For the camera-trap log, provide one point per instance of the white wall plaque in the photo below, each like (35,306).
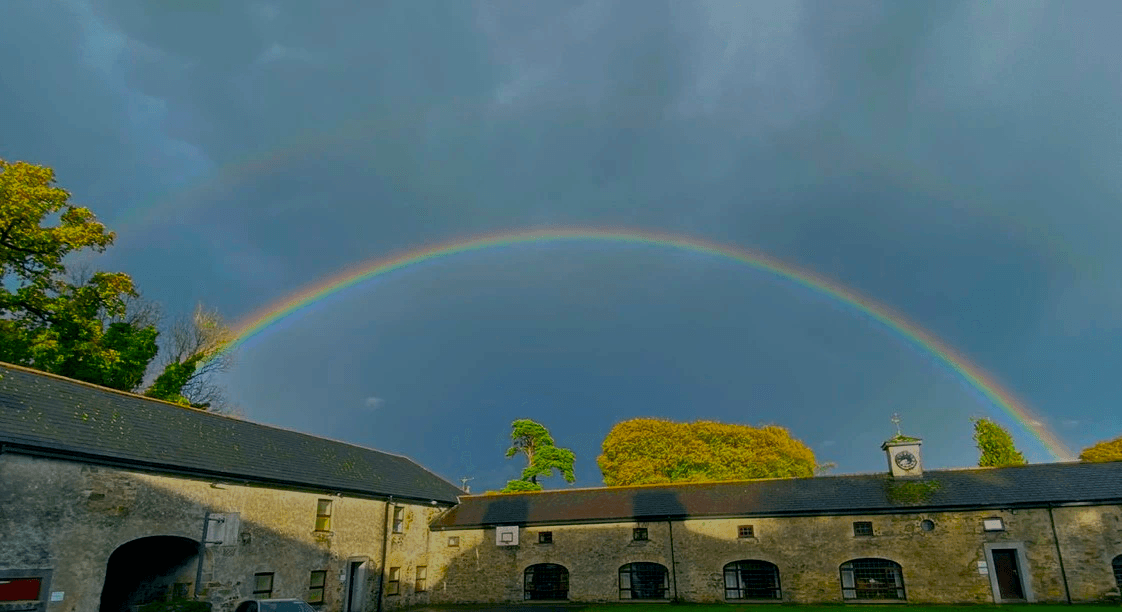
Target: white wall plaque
(983,568)
(506,535)
(57,595)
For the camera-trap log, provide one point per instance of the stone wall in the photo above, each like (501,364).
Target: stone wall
(938,566)
(70,517)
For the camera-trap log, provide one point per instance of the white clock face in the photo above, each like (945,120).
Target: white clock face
(906,460)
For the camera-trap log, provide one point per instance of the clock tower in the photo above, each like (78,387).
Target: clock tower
(904,460)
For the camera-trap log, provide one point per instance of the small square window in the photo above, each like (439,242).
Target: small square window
(993,524)
(422,575)
(399,519)
(393,585)
(545,537)
(262,585)
(862,528)
(639,534)
(745,531)
(316,585)
(323,515)
(453,540)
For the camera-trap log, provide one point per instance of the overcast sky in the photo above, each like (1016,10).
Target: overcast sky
(956,161)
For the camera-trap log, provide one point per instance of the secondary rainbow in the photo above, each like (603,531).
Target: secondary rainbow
(264,318)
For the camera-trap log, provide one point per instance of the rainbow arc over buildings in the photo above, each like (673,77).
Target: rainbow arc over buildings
(257,323)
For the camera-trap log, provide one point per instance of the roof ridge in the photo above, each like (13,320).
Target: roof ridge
(755,480)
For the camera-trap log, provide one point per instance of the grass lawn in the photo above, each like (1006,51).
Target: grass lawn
(662,607)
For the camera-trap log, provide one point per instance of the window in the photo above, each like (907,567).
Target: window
(927,525)
(745,531)
(393,586)
(422,574)
(545,537)
(181,590)
(1117,566)
(872,579)
(639,534)
(751,580)
(993,524)
(399,519)
(323,515)
(862,528)
(315,586)
(453,540)
(547,581)
(643,581)
(262,585)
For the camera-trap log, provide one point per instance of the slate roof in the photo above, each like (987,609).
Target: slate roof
(49,415)
(1034,485)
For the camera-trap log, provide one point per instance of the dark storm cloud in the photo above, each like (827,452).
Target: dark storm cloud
(956,161)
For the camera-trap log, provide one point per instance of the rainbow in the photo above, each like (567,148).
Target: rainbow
(258,322)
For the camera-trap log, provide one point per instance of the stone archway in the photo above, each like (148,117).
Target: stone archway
(154,568)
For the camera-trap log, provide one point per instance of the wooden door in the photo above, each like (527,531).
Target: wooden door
(1008,574)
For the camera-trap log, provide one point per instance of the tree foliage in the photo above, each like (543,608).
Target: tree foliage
(652,451)
(542,456)
(1108,450)
(995,445)
(80,323)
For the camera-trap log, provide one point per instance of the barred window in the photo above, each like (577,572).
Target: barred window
(872,579)
(453,540)
(639,534)
(752,579)
(1117,565)
(745,531)
(644,581)
(399,519)
(546,581)
(315,586)
(323,515)
(262,585)
(862,528)
(393,585)
(545,537)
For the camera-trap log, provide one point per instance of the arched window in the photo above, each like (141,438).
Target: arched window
(1117,565)
(644,581)
(546,581)
(752,579)
(872,579)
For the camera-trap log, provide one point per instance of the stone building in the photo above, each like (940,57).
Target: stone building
(108,500)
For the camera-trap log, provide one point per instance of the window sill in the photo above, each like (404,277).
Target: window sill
(863,602)
(544,543)
(751,539)
(754,601)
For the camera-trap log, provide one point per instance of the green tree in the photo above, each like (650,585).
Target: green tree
(995,445)
(90,325)
(542,456)
(73,329)
(652,451)
(1109,450)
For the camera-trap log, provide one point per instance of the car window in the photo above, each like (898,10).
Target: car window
(282,606)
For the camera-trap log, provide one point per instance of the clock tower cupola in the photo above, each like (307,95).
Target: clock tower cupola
(904,460)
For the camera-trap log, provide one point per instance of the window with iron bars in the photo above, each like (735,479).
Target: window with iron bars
(751,579)
(872,579)
(644,581)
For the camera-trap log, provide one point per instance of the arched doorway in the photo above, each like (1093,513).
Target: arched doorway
(155,568)
(752,579)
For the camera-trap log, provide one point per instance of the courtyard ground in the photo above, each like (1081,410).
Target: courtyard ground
(664,607)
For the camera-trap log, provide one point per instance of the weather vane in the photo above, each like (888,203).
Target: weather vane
(896,420)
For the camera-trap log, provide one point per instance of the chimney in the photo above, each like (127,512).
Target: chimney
(904,459)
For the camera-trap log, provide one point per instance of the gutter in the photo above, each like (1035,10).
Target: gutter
(1059,554)
(673,562)
(385,546)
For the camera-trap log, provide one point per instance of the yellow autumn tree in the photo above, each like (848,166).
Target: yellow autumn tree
(653,451)
(1109,450)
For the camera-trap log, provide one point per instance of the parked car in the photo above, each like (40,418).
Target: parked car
(275,605)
